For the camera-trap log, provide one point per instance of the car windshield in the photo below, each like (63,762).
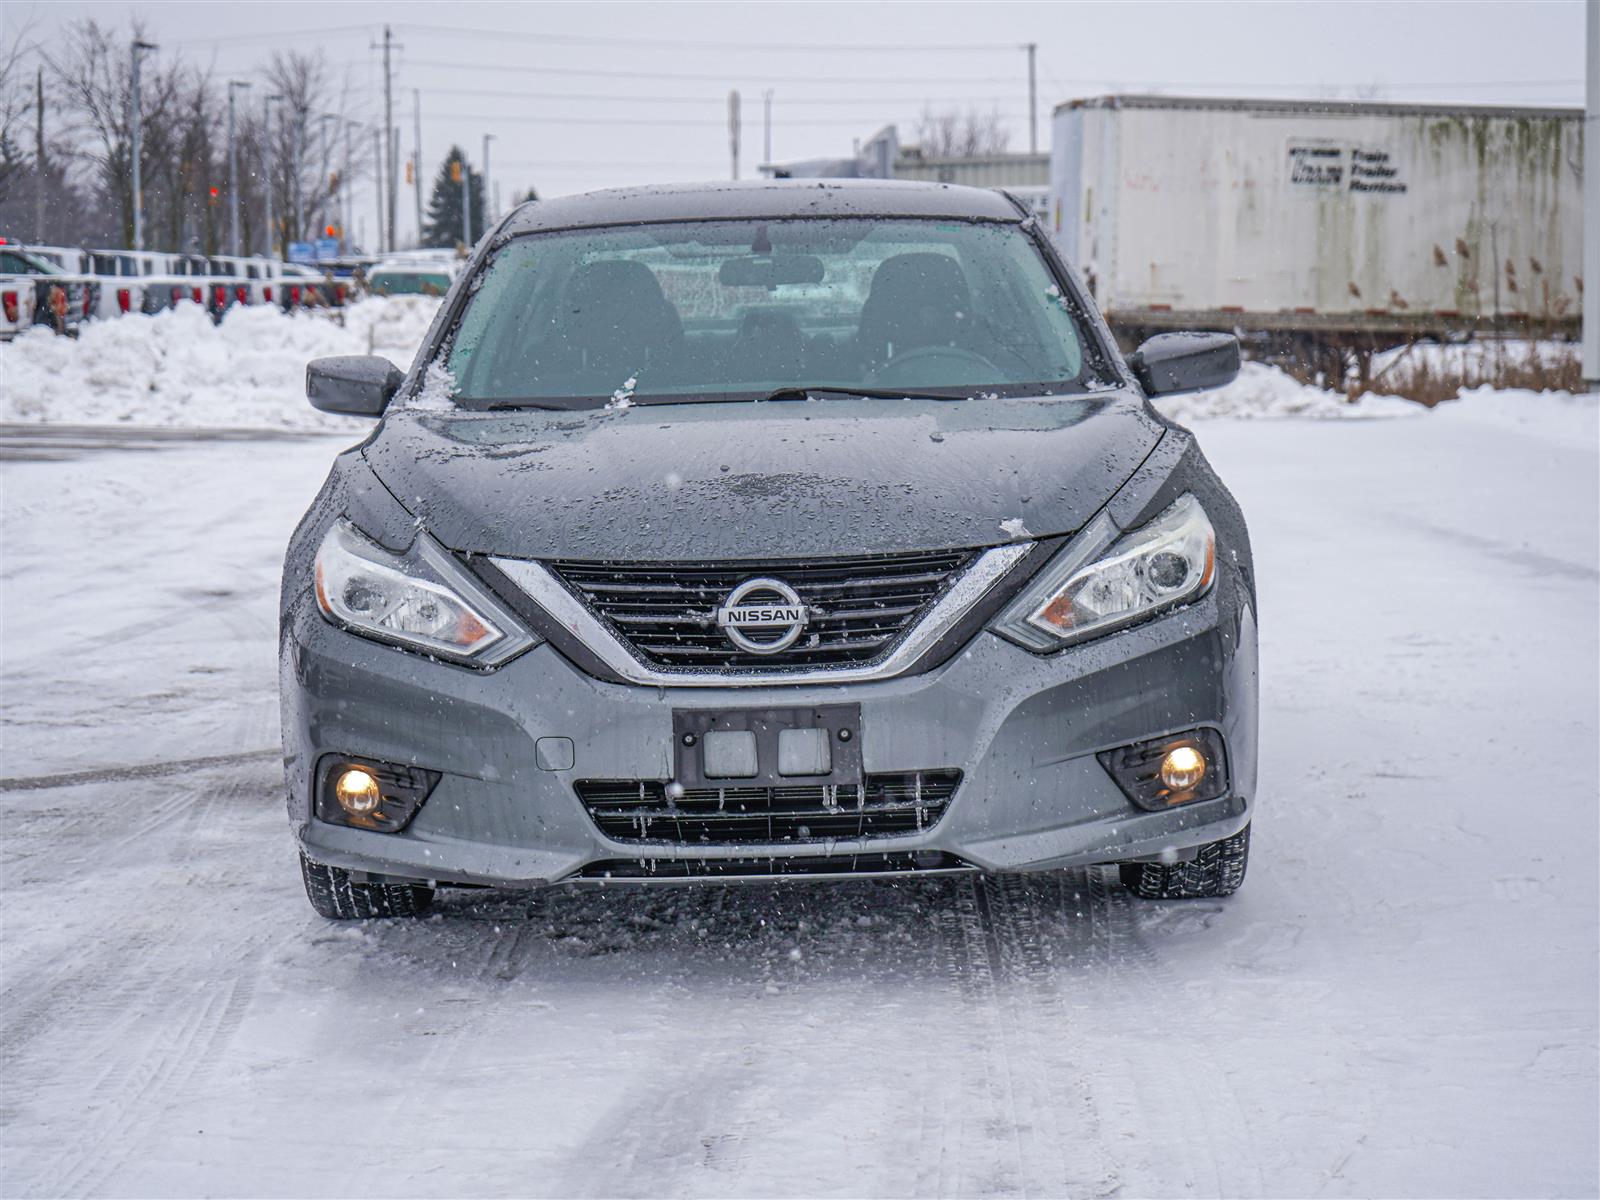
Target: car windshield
(729,310)
(409,283)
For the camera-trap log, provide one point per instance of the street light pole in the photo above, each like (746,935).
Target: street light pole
(488,214)
(416,156)
(377,183)
(327,170)
(136,120)
(233,172)
(466,203)
(1033,99)
(766,126)
(269,164)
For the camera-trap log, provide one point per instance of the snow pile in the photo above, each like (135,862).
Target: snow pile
(1266,391)
(1559,418)
(177,368)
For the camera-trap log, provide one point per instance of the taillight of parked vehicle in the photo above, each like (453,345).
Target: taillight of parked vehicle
(242,293)
(294,297)
(219,295)
(266,293)
(88,300)
(124,299)
(338,293)
(9,301)
(199,295)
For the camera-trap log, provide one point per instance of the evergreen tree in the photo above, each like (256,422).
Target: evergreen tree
(443,227)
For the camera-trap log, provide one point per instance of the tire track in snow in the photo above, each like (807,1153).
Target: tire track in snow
(1027,914)
(1182,1085)
(989,1155)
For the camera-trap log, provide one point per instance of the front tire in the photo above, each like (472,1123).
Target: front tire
(336,894)
(1217,869)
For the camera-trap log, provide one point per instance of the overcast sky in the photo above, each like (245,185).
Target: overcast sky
(584,95)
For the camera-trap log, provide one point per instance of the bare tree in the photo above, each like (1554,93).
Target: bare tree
(955,134)
(313,153)
(92,74)
(14,108)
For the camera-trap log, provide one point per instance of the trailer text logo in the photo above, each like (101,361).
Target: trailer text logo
(1330,166)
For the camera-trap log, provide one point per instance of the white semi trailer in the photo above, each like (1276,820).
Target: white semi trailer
(1322,228)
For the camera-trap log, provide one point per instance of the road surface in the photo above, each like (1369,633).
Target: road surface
(1401,1000)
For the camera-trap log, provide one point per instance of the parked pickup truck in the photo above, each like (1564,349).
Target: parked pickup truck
(61,300)
(17,302)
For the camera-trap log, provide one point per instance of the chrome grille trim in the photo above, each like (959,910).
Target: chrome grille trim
(857,606)
(565,608)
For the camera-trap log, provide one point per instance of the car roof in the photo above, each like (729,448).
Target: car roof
(754,199)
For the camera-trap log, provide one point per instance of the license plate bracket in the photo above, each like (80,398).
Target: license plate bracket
(841,722)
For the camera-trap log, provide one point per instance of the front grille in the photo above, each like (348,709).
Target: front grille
(640,810)
(859,606)
(906,863)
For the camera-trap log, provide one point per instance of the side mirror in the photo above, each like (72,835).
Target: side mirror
(357,385)
(1171,363)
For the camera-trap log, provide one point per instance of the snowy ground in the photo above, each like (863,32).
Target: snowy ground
(1401,1001)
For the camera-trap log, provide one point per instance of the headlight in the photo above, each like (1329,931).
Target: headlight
(420,599)
(1168,561)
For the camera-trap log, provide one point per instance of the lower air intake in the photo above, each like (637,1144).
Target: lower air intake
(917,862)
(641,810)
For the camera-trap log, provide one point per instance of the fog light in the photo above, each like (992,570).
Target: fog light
(1183,768)
(358,793)
(369,794)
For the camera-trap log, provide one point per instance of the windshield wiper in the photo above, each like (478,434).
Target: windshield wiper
(516,405)
(870,393)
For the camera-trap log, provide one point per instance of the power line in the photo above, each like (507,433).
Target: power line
(722,77)
(276,35)
(569,39)
(719,101)
(692,122)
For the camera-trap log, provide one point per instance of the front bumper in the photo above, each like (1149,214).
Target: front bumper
(1023,728)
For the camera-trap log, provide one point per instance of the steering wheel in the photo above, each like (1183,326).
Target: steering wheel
(931,366)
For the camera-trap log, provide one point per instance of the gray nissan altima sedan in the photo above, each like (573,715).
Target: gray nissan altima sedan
(768,531)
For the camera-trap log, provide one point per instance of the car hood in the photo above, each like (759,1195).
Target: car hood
(791,479)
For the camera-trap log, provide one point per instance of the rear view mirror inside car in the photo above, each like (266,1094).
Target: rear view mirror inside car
(770,270)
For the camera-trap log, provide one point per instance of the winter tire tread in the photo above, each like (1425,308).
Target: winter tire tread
(338,896)
(1217,869)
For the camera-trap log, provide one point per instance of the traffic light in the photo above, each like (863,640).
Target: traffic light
(330,231)
(214,192)
(455,170)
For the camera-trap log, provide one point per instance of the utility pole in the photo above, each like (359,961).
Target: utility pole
(416,156)
(394,166)
(1033,98)
(38,162)
(347,205)
(269,165)
(487,216)
(766,126)
(466,203)
(377,182)
(388,138)
(296,132)
(136,121)
(233,172)
(733,129)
